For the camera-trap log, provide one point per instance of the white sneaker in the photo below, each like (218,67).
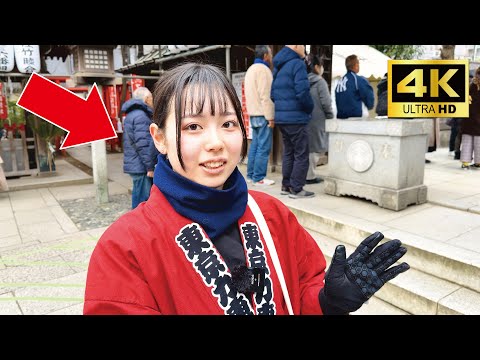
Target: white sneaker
(249,181)
(264,182)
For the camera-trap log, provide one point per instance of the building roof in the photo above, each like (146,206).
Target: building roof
(168,52)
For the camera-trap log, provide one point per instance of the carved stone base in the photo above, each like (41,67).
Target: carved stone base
(387,198)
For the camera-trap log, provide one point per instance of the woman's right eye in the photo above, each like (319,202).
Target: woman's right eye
(192,127)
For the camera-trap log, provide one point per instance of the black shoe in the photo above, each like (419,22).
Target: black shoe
(457,155)
(317,180)
(301,194)
(285,190)
(427,161)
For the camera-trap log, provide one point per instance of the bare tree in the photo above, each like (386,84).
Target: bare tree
(447,52)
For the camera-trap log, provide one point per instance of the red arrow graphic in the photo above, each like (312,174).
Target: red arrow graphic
(84,120)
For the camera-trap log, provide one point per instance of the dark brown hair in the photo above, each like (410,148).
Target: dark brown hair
(313,60)
(186,88)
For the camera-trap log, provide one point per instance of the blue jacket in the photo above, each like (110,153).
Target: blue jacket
(291,89)
(139,152)
(351,91)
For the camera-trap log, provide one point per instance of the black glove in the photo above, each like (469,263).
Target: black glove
(350,282)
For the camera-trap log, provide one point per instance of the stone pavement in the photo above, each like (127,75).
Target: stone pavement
(44,254)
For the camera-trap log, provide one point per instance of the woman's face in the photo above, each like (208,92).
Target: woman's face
(211,145)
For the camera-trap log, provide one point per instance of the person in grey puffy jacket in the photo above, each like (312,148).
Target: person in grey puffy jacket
(139,152)
(322,110)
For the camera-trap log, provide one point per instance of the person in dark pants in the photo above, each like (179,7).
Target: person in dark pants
(458,140)
(293,108)
(139,152)
(453,143)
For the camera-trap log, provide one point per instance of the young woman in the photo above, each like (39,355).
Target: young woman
(197,245)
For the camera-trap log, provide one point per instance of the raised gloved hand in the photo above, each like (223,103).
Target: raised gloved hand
(350,282)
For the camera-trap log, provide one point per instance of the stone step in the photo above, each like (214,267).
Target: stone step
(375,306)
(444,261)
(413,292)
(38,183)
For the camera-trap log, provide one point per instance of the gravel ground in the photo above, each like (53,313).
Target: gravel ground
(87,214)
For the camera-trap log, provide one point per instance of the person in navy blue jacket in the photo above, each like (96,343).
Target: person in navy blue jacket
(139,151)
(293,107)
(353,91)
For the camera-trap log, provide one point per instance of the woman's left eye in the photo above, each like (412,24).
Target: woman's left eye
(230,124)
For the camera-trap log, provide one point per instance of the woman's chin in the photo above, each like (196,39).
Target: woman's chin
(214,183)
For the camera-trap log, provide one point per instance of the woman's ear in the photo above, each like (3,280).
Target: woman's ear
(158,138)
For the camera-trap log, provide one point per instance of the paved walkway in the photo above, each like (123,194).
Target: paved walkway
(44,255)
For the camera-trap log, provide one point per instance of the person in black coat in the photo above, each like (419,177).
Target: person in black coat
(382,98)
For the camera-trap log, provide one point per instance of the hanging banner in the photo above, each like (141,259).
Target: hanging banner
(111,101)
(238,81)
(7,59)
(27,58)
(3,107)
(136,83)
(3,104)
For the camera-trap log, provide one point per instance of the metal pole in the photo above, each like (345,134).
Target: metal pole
(227,61)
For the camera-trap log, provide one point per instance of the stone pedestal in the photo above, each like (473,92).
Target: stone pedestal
(382,160)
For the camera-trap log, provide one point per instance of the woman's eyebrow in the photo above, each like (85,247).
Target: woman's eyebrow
(201,115)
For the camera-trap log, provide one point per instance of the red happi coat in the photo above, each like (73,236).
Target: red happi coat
(154,261)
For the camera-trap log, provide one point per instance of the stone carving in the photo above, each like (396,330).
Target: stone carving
(360,156)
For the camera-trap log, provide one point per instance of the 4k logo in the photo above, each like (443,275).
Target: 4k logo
(427,88)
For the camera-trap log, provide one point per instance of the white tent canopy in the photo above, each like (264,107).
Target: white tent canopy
(372,62)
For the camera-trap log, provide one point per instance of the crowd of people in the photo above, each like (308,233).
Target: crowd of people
(203,243)
(197,240)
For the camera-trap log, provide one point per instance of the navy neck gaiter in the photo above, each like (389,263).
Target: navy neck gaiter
(215,210)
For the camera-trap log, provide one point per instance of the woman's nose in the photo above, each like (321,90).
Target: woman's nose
(214,141)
